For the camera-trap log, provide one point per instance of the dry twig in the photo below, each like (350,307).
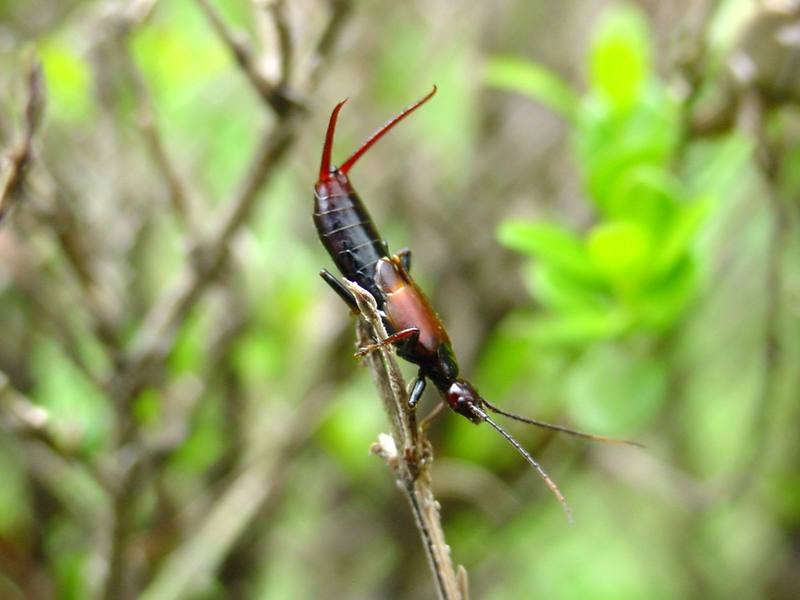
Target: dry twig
(274,95)
(19,159)
(209,256)
(407,451)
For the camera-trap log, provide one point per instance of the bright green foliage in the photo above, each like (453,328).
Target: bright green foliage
(79,413)
(634,268)
(532,80)
(202,103)
(560,248)
(68,80)
(620,60)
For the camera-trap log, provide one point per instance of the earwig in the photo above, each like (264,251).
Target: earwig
(416,331)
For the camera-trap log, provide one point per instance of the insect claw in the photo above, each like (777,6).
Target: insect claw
(364,350)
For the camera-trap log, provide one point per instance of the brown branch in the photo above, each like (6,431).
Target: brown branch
(179,196)
(156,336)
(278,10)
(407,451)
(22,417)
(72,237)
(19,159)
(26,270)
(274,95)
(340,11)
(242,501)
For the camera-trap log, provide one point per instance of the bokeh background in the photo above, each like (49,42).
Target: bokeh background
(603,203)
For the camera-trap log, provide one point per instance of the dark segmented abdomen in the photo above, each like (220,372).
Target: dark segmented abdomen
(350,237)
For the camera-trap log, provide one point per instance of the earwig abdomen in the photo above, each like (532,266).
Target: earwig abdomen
(348,233)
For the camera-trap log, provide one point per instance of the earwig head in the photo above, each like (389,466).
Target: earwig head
(328,172)
(463,399)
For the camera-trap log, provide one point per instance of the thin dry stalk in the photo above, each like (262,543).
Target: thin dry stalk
(407,451)
(20,157)
(144,358)
(272,94)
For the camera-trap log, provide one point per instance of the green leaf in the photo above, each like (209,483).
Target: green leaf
(681,234)
(604,559)
(65,547)
(621,250)
(257,356)
(647,195)
(609,145)
(552,245)
(534,81)
(620,56)
(661,304)
(557,290)
(203,103)
(147,407)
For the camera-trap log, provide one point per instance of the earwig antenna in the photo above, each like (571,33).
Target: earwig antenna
(560,428)
(378,134)
(325,163)
(531,461)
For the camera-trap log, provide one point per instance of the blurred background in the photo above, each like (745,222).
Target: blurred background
(603,203)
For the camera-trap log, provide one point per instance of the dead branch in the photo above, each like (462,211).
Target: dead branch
(407,451)
(207,259)
(274,95)
(20,158)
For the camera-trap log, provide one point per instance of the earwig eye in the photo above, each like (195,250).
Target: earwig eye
(464,399)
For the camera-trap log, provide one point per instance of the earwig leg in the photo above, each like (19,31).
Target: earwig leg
(405,259)
(416,391)
(338,287)
(405,334)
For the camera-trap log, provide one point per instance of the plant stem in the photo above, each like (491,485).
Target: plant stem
(407,451)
